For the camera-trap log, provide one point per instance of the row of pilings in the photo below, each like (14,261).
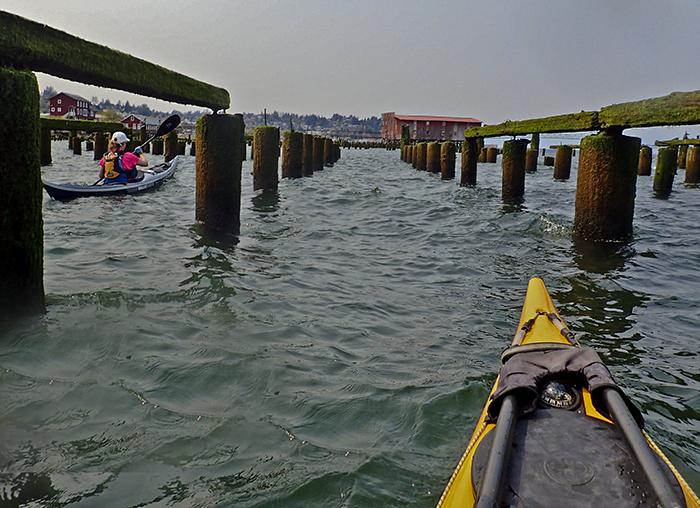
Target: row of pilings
(609,164)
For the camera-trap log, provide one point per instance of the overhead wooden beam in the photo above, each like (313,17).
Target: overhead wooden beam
(583,121)
(678,108)
(678,142)
(26,44)
(63,124)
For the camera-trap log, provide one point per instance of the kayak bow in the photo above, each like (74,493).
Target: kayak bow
(557,430)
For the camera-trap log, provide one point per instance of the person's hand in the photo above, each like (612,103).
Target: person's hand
(138,150)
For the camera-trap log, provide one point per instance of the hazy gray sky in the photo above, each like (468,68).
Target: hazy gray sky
(494,60)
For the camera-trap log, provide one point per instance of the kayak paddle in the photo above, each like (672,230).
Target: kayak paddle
(168,125)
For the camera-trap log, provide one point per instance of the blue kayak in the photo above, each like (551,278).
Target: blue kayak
(147,180)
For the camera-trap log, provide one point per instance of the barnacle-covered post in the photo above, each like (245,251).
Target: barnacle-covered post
(666,165)
(692,165)
(470,156)
(644,166)
(266,140)
(170,146)
(307,156)
(513,164)
(292,147)
(562,163)
(447,160)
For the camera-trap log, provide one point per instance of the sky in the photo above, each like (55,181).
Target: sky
(491,59)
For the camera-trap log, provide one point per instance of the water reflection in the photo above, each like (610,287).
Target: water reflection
(266,201)
(601,257)
(513,205)
(208,237)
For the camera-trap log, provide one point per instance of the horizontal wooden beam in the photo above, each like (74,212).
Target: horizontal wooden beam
(678,108)
(678,142)
(583,121)
(63,124)
(29,45)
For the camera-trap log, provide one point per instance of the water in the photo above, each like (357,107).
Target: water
(340,354)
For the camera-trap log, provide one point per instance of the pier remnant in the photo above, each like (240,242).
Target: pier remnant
(100,145)
(193,148)
(531,160)
(21,234)
(535,141)
(447,160)
(666,166)
(470,156)
(682,155)
(218,172)
(562,163)
(644,166)
(548,160)
(45,148)
(77,146)
(170,146)
(692,165)
(482,154)
(307,156)
(181,147)
(292,149)
(513,164)
(318,145)
(606,186)
(491,154)
(158,146)
(328,152)
(266,140)
(422,164)
(432,163)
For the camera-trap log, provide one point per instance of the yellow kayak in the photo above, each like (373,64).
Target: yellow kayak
(557,430)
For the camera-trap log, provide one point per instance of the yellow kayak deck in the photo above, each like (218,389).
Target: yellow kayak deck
(534,327)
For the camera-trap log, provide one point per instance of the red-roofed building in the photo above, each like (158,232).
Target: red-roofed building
(423,127)
(71,106)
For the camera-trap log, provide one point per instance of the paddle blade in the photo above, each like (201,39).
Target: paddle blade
(168,125)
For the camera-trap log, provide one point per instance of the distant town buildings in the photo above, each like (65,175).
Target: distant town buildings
(426,127)
(135,122)
(69,105)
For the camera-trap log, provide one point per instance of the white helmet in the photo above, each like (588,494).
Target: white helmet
(119,137)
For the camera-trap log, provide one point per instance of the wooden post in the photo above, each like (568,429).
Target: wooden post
(70,140)
(336,149)
(447,160)
(644,167)
(666,165)
(318,145)
(513,164)
(682,155)
(535,142)
(218,172)
(491,154)
(548,160)
(158,145)
(181,147)
(531,160)
(193,149)
(292,148)
(77,146)
(328,152)
(307,155)
(409,154)
(242,140)
(21,234)
(170,146)
(606,185)
(421,164)
(100,145)
(433,160)
(482,155)
(266,140)
(692,165)
(89,145)
(470,155)
(147,148)
(562,163)
(45,147)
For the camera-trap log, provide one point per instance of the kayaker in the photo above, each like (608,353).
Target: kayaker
(118,165)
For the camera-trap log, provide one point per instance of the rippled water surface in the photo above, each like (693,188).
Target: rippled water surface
(340,353)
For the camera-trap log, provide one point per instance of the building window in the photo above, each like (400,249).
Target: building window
(58,101)
(53,109)
(59,110)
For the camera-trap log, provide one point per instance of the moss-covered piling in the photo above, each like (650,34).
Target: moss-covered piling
(535,141)
(531,160)
(548,161)
(218,172)
(21,227)
(606,186)
(682,155)
(447,160)
(266,140)
(292,149)
(491,154)
(158,146)
(242,141)
(644,166)
(307,155)
(181,147)
(666,165)
(170,146)
(433,157)
(562,163)
(470,156)
(482,154)
(89,145)
(193,148)
(327,152)
(513,164)
(692,165)
(422,162)
(318,145)
(45,147)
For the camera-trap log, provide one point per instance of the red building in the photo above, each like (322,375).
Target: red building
(426,127)
(71,106)
(135,122)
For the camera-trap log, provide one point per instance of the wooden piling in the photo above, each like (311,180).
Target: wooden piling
(482,155)
(181,147)
(421,163)
(266,140)
(682,155)
(89,145)
(470,156)
(218,172)
(318,145)
(45,148)
(692,165)
(158,146)
(433,157)
(606,186)
(307,155)
(666,166)
(170,147)
(562,163)
(535,142)
(447,160)
(146,148)
(327,152)
(409,154)
(513,164)
(100,145)
(77,146)
(491,154)
(548,160)
(531,160)
(21,234)
(292,149)
(644,167)
(70,140)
